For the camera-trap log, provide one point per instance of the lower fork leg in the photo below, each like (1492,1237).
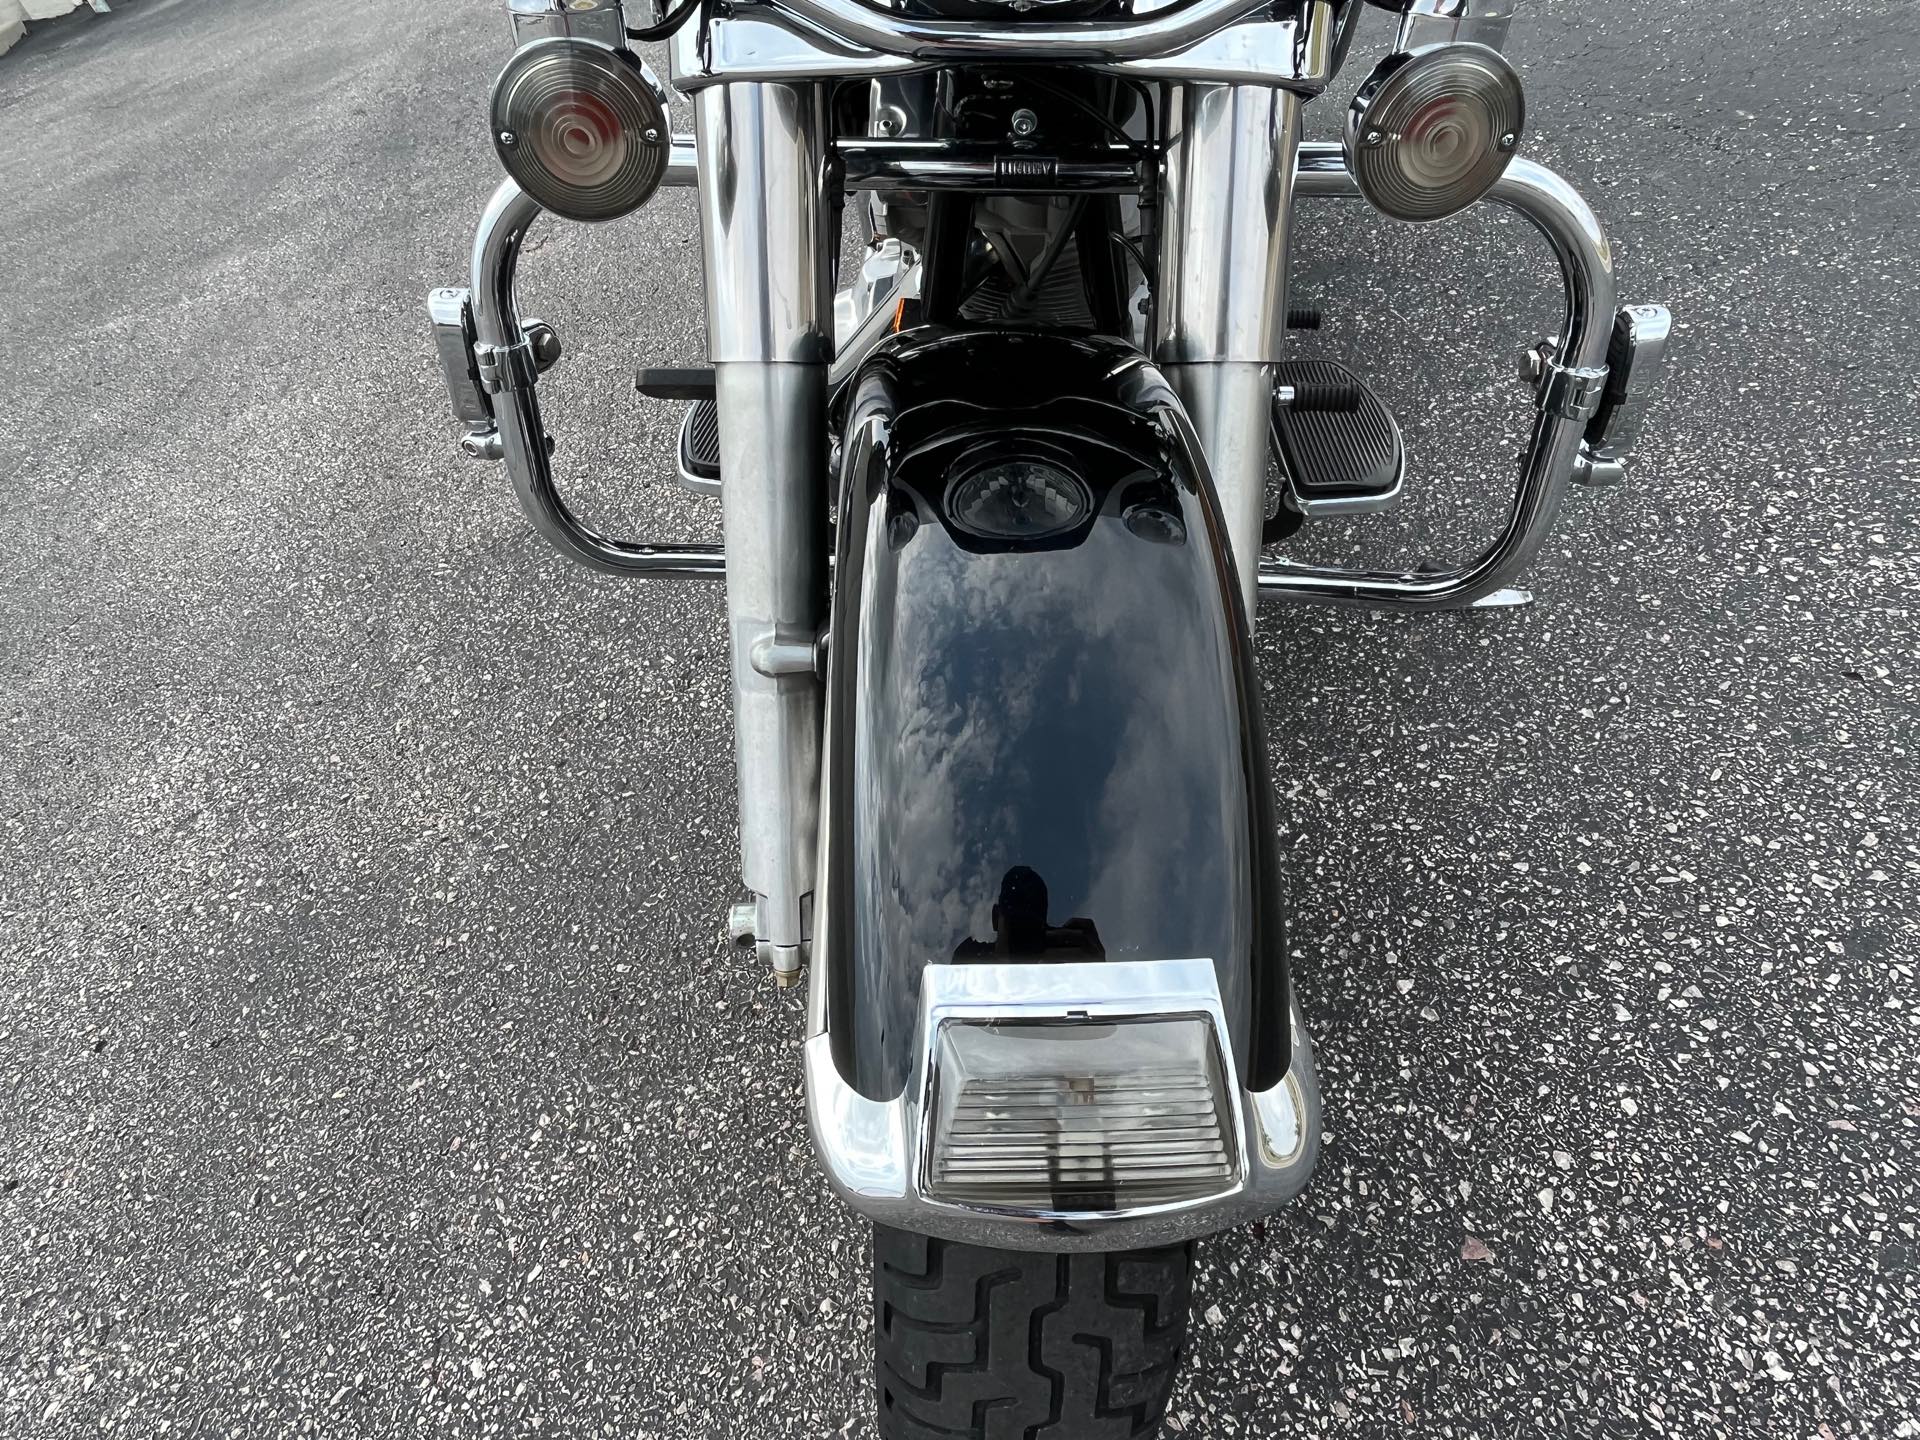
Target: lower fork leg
(767,227)
(772,449)
(1231,404)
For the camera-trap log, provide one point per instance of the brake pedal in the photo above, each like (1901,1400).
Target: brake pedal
(1336,442)
(699,461)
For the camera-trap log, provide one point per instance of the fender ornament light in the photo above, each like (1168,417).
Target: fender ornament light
(1433,130)
(581,127)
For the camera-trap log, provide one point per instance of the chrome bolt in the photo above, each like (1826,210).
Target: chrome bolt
(1507,142)
(507,137)
(1536,360)
(1024,123)
(1376,137)
(650,135)
(481,445)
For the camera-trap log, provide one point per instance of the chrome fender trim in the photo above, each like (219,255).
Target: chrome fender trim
(872,1150)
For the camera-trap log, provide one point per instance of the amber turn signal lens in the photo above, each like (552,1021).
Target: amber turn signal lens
(582,127)
(1433,130)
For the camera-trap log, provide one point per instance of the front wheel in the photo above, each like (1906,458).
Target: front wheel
(978,1344)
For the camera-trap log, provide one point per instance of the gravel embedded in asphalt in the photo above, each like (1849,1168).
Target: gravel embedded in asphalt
(371,1058)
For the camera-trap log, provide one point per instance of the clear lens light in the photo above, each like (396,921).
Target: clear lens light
(1086,1115)
(1433,130)
(582,127)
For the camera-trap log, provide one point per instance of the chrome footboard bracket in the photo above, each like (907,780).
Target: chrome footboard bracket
(455,343)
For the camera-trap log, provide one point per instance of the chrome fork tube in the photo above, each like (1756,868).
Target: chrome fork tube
(1221,313)
(766,220)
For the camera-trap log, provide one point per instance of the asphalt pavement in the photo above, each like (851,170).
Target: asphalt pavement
(372,1062)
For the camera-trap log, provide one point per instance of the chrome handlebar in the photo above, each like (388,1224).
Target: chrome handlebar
(840,40)
(1059,42)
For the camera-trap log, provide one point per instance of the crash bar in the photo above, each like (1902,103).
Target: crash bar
(1568,398)
(516,414)
(1548,202)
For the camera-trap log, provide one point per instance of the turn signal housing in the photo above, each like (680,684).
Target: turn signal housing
(1434,129)
(582,127)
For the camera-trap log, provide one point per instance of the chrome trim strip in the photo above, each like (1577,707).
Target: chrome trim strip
(522,439)
(1574,233)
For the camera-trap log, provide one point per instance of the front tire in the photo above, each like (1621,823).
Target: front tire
(979,1344)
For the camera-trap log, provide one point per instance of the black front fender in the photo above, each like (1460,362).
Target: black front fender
(1044,738)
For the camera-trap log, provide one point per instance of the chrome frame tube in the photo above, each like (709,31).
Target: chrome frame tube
(1546,200)
(766,219)
(1220,314)
(990,168)
(522,438)
(1579,244)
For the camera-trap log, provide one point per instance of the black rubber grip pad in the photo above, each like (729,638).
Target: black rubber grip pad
(700,440)
(1335,451)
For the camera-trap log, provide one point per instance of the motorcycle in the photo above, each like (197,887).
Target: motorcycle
(993,515)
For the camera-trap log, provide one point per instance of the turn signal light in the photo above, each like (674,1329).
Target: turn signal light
(1434,129)
(582,127)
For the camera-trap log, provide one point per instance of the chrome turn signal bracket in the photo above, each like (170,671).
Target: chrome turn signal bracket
(601,20)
